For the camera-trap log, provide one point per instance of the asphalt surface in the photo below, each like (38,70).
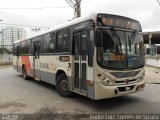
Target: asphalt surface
(29,97)
(152,74)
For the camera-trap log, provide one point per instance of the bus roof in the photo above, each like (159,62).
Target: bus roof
(60,26)
(92,16)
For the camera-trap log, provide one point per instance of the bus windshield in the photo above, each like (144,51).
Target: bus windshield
(120,49)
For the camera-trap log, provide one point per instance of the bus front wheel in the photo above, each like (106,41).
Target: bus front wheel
(62,86)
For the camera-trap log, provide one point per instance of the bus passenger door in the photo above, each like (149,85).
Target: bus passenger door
(36,55)
(80,61)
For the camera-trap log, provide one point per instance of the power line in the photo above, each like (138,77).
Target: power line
(22,25)
(38,8)
(70,4)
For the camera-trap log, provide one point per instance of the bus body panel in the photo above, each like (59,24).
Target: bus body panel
(49,65)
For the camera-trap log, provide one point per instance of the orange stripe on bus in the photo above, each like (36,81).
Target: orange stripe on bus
(26,62)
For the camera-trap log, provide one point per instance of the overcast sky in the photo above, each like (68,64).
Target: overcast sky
(58,11)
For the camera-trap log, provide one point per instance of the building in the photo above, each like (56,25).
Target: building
(10,35)
(21,33)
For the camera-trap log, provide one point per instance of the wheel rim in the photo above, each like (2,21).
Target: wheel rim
(64,85)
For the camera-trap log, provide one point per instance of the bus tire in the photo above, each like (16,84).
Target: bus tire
(24,73)
(62,86)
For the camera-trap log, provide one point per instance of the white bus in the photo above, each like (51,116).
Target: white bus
(98,56)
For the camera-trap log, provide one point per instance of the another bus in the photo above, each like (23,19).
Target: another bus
(152,55)
(86,56)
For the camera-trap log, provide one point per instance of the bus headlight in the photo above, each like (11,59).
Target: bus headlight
(140,78)
(104,79)
(107,82)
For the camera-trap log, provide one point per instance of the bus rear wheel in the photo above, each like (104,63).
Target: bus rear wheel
(62,86)
(24,73)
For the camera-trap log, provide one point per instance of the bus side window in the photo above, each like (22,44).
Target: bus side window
(48,43)
(25,48)
(84,44)
(30,46)
(91,49)
(63,41)
(38,52)
(17,51)
(14,49)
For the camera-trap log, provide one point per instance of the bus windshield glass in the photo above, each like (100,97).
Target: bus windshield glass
(120,49)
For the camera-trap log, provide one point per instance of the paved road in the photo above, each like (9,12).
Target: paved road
(152,74)
(21,96)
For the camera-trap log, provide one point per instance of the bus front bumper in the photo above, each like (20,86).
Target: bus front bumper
(102,91)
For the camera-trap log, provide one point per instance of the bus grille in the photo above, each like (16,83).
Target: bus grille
(122,82)
(125,74)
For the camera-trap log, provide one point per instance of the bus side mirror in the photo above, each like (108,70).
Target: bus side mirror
(99,20)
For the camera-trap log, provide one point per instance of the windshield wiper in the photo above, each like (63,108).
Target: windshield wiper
(133,36)
(131,39)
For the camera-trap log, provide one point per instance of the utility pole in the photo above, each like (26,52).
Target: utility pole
(158,2)
(77,9)
(76,5)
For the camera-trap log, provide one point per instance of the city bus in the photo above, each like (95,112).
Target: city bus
(98,56)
